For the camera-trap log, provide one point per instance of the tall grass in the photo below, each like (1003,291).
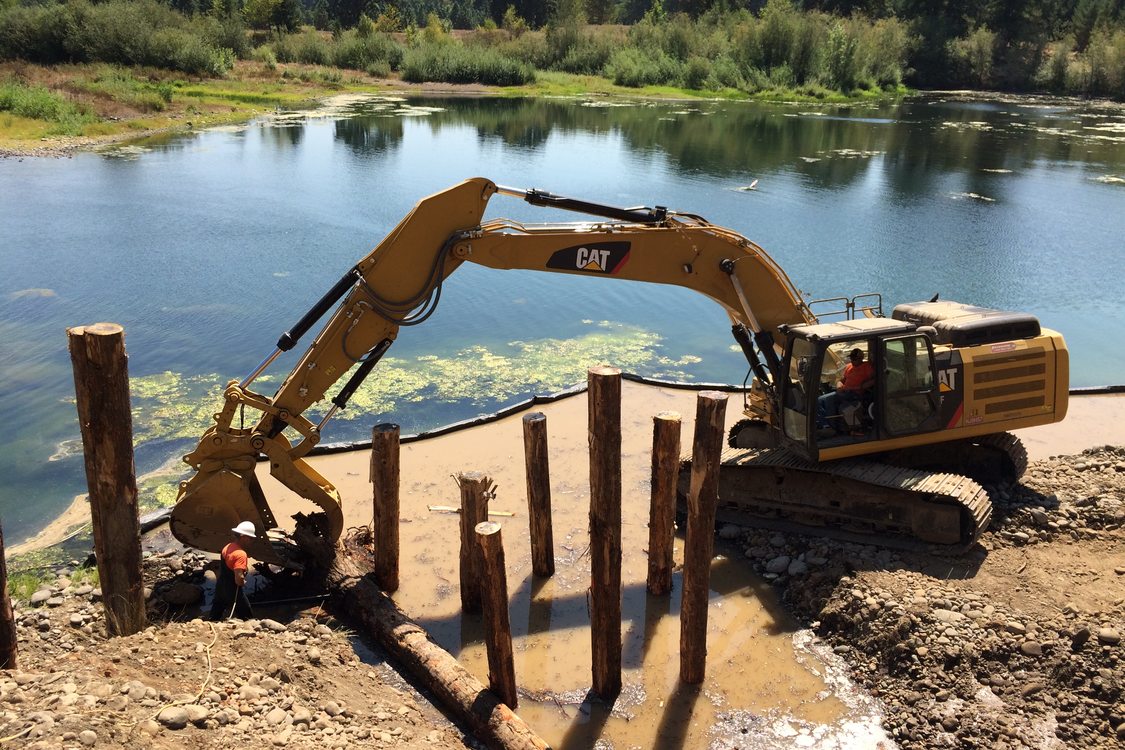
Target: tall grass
(37,103)
(450,62)
(120,86)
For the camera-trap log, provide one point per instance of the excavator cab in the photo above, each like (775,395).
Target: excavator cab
(903,400)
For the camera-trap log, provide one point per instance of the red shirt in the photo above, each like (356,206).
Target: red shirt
(856,375)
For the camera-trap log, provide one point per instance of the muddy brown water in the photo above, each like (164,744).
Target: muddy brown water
(769,683)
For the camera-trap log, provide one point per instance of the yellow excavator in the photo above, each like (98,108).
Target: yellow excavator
(902,462)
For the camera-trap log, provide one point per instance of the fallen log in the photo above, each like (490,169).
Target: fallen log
(347,573)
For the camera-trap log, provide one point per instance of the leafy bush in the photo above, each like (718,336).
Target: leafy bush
(360,53)
(311,49)
(841,58)
(127,32)
(697,73)
(974,55)
(454,63)
(512,22)
(635,68)
(266,56)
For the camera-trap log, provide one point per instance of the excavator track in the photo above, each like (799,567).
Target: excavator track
(999,457)
(852,499)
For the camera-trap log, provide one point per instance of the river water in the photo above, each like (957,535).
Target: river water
(207,245)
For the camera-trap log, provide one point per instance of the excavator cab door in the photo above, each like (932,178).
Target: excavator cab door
(798,394)
(909,396)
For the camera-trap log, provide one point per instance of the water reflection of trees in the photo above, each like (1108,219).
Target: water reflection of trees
(830,146)
(370,134)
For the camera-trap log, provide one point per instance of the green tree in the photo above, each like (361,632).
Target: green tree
(320,16)
(259,13)
(841,58)
(975,53)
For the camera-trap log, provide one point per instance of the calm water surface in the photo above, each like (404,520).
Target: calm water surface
(206,246)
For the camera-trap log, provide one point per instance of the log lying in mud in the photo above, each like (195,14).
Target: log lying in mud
(346,574)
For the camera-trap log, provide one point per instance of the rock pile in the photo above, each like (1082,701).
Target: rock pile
(955,665)
(259,683)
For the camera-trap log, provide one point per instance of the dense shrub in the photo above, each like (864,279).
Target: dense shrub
(127,32)
(376,51)
(842,66)
(312,49)
(973,56)
(633,67)
(455,63)
(37,103)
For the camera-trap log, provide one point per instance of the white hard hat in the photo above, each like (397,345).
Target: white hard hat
(246,528)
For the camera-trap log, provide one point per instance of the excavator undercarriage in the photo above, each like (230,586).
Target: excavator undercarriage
(901,499)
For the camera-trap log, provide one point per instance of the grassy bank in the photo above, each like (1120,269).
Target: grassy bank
(51,108)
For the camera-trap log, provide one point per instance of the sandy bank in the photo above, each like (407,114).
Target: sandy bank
(497,450)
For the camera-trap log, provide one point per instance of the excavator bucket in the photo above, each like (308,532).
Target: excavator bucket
(212,503)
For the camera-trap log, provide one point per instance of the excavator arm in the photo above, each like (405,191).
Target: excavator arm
(399,284)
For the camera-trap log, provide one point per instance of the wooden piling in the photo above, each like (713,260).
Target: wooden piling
(662,505)
(101,384)
(605,528)
(476,489)
(8,642)
(497,626)
(538,494)
(493,723)
(385,516)
(698,547)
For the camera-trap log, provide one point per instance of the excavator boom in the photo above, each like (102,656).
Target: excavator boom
(399,284)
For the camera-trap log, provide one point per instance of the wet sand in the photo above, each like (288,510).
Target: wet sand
(802,690)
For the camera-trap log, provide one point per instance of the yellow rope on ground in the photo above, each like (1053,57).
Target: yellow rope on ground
(206,680)
(17,735)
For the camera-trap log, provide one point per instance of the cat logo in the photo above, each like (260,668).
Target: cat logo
(597,257)
(947,379)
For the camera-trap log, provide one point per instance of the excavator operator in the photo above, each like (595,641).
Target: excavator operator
(858,378)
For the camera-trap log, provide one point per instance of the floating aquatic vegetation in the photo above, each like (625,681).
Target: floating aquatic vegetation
(417,111)
(971,125)
(998,171)
(811,159)
(851,153)
(228,129)
(158,489)
(66,449)
(31,294)
(176,406)
(1109,179)
(124,152)
(280,274)
(1109,127)
(483,376)
(973,196)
